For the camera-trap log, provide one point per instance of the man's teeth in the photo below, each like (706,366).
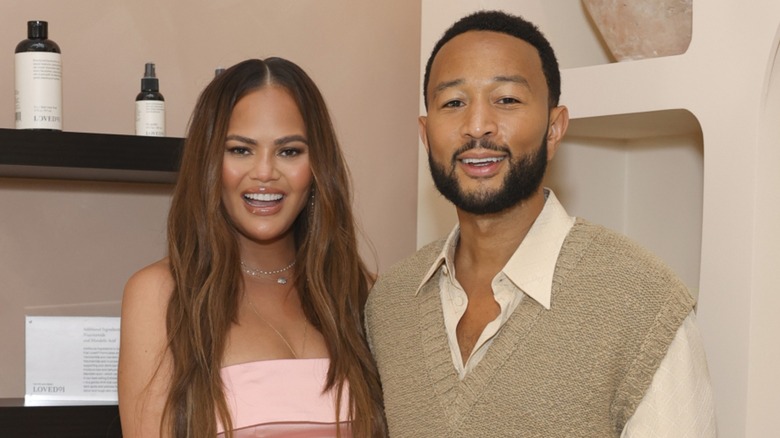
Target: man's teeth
(263,197)
(482,161)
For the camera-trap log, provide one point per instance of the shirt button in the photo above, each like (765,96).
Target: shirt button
(459,301)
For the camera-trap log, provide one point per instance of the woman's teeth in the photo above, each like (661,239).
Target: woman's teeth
(263,197)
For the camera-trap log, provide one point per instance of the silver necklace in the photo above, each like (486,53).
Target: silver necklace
(289,347)
(259,272)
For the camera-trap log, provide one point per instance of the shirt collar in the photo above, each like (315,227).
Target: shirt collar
(532,265)
(445,257)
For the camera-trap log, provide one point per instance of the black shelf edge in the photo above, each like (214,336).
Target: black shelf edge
(87,156)
(17,420)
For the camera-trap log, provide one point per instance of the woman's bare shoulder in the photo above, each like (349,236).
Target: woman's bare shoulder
(153,282)
(147,293)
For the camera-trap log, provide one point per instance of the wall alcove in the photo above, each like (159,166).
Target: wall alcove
(641,174)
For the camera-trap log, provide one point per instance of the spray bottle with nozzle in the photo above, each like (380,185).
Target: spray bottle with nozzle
(150,105)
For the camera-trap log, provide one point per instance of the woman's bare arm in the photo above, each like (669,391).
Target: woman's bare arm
(144,360)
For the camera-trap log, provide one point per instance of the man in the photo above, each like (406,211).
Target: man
(525,321)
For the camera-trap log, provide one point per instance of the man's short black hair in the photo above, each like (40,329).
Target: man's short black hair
(512,25)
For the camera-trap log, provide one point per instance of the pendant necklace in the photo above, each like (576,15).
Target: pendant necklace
(259,273)
(289,347)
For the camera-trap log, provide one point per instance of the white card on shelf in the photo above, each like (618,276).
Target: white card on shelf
(70,360)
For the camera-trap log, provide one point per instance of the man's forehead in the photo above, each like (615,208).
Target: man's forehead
(487,54)
(477,39)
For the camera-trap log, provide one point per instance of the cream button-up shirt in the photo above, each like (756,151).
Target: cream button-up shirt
(679,402)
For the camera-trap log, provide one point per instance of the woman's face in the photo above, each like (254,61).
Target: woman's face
(266,176)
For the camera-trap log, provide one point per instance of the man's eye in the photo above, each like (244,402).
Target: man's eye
(453,104)
(508,100)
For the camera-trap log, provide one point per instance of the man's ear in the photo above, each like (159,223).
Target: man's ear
(422,127)
(559,122)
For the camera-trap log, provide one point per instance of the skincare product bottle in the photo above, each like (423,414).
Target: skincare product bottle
(150,106)
(38,85)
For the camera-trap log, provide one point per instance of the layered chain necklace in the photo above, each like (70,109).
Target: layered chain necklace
(259,273)
(281,279)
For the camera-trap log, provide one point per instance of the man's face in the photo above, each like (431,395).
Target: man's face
(486,131)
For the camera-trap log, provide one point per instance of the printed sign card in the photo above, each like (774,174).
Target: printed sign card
(71,360)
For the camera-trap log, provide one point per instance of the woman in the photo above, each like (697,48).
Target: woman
(253,322)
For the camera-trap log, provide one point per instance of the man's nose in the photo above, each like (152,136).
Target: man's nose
(479,120)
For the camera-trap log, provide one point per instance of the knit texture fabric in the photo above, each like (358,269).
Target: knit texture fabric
(577,370)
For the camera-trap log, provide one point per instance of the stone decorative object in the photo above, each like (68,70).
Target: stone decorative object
(639,29)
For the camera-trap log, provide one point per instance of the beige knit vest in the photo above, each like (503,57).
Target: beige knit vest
(577,370)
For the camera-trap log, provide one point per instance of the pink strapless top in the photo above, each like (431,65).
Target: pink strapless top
(282,398)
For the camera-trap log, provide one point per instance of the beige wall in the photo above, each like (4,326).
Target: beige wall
(68,247)
(59,239)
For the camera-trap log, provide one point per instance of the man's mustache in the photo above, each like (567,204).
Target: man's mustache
(484,144)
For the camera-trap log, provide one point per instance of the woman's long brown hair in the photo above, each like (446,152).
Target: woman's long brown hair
(204,258)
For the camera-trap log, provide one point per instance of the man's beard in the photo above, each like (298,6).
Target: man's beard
(523,179)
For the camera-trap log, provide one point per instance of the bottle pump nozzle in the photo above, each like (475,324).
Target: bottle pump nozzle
(150,82)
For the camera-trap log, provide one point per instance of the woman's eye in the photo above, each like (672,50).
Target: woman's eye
(238,150)
(289,152)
